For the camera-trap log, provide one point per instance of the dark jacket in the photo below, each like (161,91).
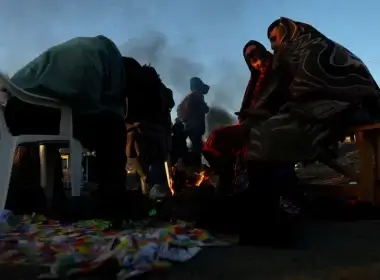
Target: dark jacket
(145,106)
(193,108)
(168,104)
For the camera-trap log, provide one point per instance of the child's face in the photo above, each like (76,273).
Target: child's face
(254,57)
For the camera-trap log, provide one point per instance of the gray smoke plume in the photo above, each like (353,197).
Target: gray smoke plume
(218,117)
(176,69)
(153,47)
(183,42)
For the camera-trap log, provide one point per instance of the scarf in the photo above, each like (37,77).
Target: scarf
(257,91)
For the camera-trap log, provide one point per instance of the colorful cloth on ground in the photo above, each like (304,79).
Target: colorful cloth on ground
(81,247)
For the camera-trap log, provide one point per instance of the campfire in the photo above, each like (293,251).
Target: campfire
(183,177)
(201,178)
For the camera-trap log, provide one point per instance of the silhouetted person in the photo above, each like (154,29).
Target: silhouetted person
(192,111)
(88,74)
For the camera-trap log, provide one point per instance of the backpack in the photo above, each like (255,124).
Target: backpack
(183,108)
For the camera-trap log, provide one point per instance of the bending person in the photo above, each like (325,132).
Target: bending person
(88,74)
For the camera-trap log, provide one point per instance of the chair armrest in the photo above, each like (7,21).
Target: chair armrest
(28,97)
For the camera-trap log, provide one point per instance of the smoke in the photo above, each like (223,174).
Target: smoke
(179,58)
(176,68)
(180,39)
(153,47)
(218,117)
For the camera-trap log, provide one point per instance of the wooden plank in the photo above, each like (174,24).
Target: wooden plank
(366,127)
(376,143)
(367,178)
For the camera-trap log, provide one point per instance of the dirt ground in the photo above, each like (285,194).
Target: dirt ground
(328,250)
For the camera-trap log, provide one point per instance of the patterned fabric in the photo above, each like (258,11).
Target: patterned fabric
(329,85)
(266,91)
(241,180)
(320,65)
(80,248)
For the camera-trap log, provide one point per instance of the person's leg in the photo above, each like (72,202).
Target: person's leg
(137,150)
(106,134)
(196,147)
(282,138)
(179,147)
(259,205)
(157,174)
(142,169)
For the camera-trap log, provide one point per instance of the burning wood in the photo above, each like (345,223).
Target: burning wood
(201,178)
(169,177)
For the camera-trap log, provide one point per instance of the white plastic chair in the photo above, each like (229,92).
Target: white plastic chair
(9,143)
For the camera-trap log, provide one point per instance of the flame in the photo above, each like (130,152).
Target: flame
(200,178)
(169,177)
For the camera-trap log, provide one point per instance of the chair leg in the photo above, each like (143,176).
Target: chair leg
(76,175)
(376,145)
(43,166)
(7,149)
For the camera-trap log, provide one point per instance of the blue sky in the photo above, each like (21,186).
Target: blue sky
(202,38)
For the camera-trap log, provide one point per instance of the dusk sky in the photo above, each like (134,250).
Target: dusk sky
(184,38)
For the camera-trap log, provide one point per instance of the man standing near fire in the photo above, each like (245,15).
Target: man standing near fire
(192,111)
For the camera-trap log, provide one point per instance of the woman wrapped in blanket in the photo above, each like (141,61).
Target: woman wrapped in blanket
(329,85)
(266,92)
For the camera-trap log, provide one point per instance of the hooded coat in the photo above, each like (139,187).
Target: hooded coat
(193,108)
(273,88)
(85,72)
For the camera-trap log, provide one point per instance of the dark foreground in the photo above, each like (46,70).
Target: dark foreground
(329,250)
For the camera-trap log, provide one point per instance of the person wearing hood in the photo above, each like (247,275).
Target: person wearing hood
(329,86)
(192,110)
(265,93)
(267,89)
